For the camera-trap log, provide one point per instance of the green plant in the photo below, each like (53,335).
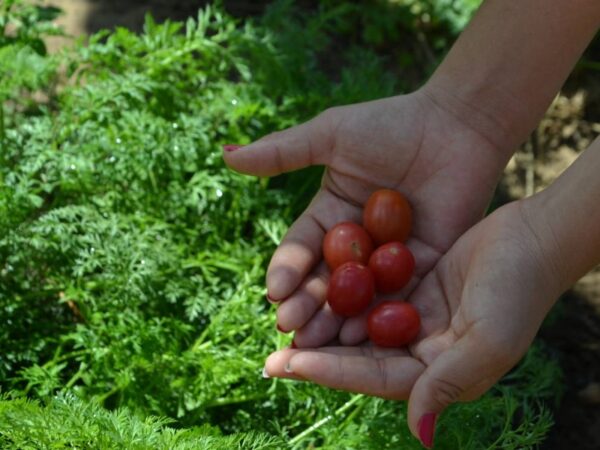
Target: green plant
(132,261)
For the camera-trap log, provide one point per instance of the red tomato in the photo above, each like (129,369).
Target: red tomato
(387,216)
(392,266)
(351,289)
(393,324)
(346,242)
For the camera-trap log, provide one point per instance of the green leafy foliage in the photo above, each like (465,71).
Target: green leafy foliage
(67,422)
(132,261)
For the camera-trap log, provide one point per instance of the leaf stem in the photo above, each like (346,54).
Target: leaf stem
(233,401)
(76,376)
(326,419)
(59,358)
(3,150)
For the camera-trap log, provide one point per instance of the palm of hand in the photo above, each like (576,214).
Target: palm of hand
(473,300)
(447,171)
(490,291)
(480,307)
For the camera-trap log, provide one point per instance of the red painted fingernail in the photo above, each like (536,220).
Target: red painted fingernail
(231,147)
(426,429)
(293,345)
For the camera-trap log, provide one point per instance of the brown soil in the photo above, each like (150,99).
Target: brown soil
(570,125)
(576,336)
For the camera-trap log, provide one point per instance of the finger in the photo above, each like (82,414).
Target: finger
(388,377)
(478,390)
(297,309)
(367,350)
(276,363)
(322,328)
(304,145)
(425,256)
(300,249)
(354,330)
(297,254)
(472,365)
(435,298)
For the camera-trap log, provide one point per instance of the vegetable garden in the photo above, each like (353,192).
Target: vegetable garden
(132,261)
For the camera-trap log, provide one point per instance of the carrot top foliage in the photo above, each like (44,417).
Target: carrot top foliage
(132,311)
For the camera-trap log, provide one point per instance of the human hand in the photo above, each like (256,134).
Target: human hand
(408,143)
(480,308)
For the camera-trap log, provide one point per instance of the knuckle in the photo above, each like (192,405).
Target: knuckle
(330,112)
(340,371)
(501,349)
(383,375)
(331,117)
(279,160)
(503,354)
(444,392)
(500,346)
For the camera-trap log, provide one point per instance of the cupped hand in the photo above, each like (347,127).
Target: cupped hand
(409,143)
(480,308)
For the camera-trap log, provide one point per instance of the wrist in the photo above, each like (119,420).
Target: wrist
(485,110)
(546,245)
(566,216)
(509,63)
(468,122)
(568,251)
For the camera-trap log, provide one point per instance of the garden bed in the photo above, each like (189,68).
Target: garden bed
(132,261)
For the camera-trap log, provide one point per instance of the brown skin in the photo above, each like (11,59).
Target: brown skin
(407,143)
(481,305)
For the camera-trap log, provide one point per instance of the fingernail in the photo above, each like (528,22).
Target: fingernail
(271,301)
(426,427)
(231,147)
(281,330)
(293,345)
(288,368)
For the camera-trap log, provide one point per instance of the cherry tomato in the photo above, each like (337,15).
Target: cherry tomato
(392,265)
(387,216)
(346,242)
(393,324)
(351,289)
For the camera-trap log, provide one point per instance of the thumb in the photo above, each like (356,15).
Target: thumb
(303,145)
(463,372)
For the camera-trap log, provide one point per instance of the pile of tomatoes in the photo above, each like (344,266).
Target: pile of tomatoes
(373,258)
